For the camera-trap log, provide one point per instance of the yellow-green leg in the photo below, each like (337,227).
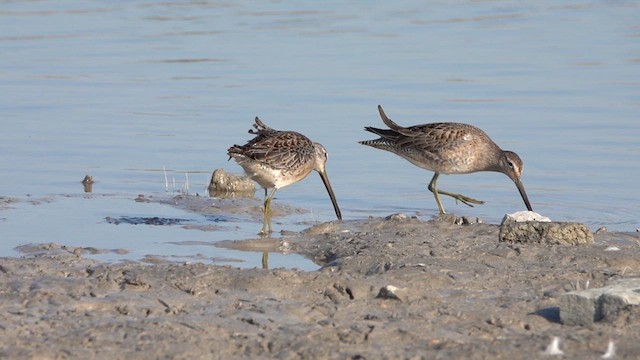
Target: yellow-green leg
(266,224)
(464,199)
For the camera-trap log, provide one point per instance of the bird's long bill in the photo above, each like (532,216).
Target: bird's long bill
(523,194)
(327,184)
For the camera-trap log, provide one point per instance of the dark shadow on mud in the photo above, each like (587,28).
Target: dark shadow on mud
(136,220)
(551,314)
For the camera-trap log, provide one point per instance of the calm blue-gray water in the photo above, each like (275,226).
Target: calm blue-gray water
(121,89)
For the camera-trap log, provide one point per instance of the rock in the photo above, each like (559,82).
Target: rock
(87,183)
(141,199)
(530,227)
(553,348)
(611,351)
(522,216)
(585,307)
(470,221)
(392,293)
(397,217)
(459,220)
(224,182)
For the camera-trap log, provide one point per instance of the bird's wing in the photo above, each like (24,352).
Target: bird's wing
(283,150)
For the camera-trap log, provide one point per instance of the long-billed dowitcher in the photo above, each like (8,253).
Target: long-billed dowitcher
(448,148)
(275,159)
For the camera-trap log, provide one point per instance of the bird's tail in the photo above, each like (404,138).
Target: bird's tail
(380,143)
(260,128)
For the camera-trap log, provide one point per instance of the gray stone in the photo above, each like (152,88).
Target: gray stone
(584,307)
(549,233)
(224,182)
(397,217)
(459,220)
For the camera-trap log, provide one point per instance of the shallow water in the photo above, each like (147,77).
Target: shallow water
(120,90)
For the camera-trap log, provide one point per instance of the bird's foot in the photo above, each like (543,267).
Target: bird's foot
(463,199)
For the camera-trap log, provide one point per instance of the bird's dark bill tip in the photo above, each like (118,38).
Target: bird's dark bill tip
(523,193)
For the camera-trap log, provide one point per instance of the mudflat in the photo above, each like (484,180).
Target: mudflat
(395,287)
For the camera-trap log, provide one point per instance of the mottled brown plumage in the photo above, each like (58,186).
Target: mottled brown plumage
(448,148)
(275,159)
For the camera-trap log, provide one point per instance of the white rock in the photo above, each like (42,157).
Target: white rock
(393,293)
(522,216)
(611,351)
(554,347)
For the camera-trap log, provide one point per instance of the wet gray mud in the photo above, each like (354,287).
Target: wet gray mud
(250,207)
(399,287)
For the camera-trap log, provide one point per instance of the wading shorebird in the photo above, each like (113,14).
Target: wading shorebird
(275,159)
(448,148)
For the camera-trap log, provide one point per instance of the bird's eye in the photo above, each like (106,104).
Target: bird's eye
(510,164)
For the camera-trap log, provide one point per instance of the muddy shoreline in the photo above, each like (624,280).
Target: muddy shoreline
(398,287)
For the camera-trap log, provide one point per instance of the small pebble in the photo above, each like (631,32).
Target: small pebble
(554,347)
(397,217)
(611,351)
(389,292)
(141,198)
(469,221)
